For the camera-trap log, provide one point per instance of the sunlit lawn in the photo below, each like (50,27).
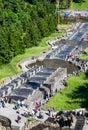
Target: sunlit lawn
(75,95)
(12,69)
(85,56)
(81,6)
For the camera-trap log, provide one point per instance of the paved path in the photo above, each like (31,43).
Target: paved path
(10,113)
(25,63)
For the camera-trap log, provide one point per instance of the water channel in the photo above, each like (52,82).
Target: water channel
(54,63)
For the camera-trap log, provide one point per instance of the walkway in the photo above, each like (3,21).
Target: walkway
(10,113)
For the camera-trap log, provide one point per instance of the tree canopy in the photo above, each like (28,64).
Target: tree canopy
(23,23)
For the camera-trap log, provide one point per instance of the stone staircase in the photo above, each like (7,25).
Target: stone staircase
(80,123)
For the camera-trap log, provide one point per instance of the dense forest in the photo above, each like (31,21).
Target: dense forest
(23,23)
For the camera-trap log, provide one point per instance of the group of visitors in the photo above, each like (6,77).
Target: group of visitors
(66,118)
(3,100)
(2,103)
(82,65)
(19,104)
(38,105)
(17,107)
(36,112)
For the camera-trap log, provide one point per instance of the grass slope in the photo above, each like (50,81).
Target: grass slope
(72,97)
(81,6)
(85,56)
(12,68)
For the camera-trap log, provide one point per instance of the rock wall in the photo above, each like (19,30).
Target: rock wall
(4,128)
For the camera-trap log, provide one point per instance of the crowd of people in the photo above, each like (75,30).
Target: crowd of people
(3,100)
(81,64)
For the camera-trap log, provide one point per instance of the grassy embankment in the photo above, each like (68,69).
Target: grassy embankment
(74,96)
(81,6)
(12,68)
(85,56)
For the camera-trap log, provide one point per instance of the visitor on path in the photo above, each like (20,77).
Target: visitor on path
(5,99)
(3,103)
(49,112)
(18,119)
(40,116)
(19,103)
(0,104)
(22,103)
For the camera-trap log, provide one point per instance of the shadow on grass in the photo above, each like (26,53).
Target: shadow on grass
(13,70)
(80,96)
(86,74)
(78,1)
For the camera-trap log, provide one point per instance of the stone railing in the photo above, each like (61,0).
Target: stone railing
(5,90)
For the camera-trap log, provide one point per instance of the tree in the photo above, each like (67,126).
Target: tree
(43,27)
(5,53)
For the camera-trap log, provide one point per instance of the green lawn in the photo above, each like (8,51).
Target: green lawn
(12,68)
(75,95)
(85,56)
(81,6)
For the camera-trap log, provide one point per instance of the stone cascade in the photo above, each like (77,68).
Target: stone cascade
(61,54)
(52,84)
(36,87)
(54,52)
(16,83)
(48,87)
(75,41)
(44,75)
(79,34)
(80,123)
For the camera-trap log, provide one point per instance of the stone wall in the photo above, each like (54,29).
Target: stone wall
(52,84)
(2,127)
(60,74)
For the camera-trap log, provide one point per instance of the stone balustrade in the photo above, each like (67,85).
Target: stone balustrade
(5,90)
